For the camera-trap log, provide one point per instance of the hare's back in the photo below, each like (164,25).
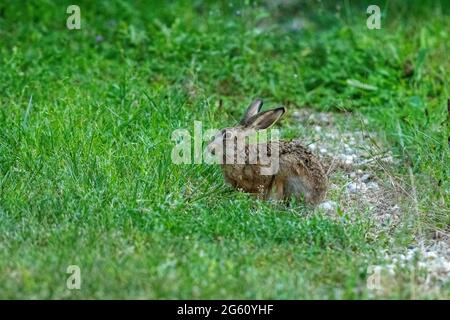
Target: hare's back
(302,171)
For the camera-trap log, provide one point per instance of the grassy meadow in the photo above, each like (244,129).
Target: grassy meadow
(86,118)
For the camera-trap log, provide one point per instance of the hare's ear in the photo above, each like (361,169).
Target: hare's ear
(265,119)
(252,110)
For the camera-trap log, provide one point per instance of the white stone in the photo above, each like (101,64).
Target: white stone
(355,187)
(328,205)
(366,177)
(373,186)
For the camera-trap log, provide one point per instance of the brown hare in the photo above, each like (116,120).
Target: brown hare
(300,173)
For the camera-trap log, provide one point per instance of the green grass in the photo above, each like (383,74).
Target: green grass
(86,176)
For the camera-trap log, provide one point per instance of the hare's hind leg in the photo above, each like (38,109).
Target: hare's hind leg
(276,190)
(297,188)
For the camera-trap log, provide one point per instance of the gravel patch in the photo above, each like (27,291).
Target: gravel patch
(353,165)
(359,184)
